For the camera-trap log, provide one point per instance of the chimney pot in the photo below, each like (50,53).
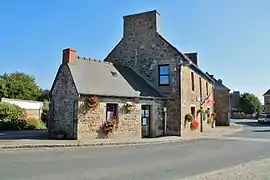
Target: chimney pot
(69,56)
(220,81)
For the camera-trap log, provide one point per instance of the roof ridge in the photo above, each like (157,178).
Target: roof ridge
(89,59)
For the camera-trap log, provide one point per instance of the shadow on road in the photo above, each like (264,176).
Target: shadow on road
(16,135)
(265,130)
(252,123)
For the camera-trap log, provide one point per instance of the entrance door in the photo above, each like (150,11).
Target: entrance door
(145,120)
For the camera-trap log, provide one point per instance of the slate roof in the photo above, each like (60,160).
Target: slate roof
(102,78)
(137,82)
(267,92)
(193,66)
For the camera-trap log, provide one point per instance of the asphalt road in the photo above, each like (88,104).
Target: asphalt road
(158,162)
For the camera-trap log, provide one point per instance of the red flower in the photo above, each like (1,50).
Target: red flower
(194,124)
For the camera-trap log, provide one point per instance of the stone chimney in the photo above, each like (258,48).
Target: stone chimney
(219,81)
(69,56)
(141,23)
(192,57)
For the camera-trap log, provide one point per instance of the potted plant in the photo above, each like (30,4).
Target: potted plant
(209,121)
(200,111)
(109,126)
(129,106)
(188,118)
(92,102)
(213,115)
(194,125)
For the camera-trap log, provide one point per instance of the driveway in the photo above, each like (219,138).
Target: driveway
(158,162)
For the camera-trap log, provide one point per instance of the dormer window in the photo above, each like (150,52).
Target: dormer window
(164,75)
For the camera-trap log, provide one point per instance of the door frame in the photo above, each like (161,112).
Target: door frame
(148,121)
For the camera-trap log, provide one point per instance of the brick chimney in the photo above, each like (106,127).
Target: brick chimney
(69,56)
(192,57)
(141,23)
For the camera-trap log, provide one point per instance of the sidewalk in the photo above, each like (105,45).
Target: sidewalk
(28,143)
(254,170)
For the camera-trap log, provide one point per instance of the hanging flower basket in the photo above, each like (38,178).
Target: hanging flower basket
(188,118)
(92,102)
(129,107)
(209,121)
(194,125)
(213,115)
(109,126)
(207,112)
(200,111)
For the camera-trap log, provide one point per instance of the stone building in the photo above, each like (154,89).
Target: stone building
(174,74)
(78,79)
(144,70)
(222,102)
(234,100)
(266,97)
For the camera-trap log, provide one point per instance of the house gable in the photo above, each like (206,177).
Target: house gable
(144,49)
(63,109)
(63,81)
(267,93)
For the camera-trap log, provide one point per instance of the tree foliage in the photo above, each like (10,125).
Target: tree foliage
(44,95)
(19,86)
(45,112)
(249,103)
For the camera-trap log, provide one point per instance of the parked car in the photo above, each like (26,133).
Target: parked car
(264,118)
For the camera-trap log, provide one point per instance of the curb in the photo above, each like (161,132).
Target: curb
(108,144)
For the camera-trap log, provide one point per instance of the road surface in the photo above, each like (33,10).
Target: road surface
(158,162)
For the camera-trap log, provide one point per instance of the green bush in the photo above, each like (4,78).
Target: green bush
(11,117)
(35,124)
(45,113)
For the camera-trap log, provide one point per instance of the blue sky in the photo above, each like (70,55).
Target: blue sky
(231,37)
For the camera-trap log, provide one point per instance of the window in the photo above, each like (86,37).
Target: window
(164,75)
(207,88)
(193,111)
(111,110)
(192,81)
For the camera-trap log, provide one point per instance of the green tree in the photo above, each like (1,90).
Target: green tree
(45,112)
(19,86)
(44,95)
(249,103)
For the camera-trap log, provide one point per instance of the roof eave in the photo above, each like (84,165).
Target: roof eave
(122,96)
(186,58)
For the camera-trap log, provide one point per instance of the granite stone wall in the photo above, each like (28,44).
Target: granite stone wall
(143,49)
(63,107)
(90,121)
(222,102)
(190,98)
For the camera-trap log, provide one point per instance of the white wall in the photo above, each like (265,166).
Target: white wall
(24,104)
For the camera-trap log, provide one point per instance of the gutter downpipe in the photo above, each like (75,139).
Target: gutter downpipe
(180,94)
